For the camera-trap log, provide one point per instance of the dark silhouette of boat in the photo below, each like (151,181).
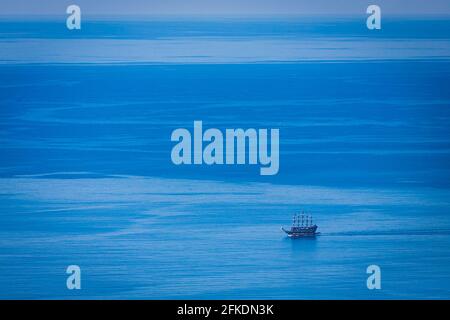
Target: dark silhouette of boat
(302,226)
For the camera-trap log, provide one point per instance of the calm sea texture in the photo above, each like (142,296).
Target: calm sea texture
(86,176)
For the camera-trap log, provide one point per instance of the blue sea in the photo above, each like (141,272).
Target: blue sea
(86,176)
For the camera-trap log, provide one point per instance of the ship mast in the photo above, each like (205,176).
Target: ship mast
(305,228)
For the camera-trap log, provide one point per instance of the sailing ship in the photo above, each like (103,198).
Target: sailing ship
(302,226)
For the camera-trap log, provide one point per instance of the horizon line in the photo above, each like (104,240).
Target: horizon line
(203,16)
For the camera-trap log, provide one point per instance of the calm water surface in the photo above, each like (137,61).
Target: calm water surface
(86,176)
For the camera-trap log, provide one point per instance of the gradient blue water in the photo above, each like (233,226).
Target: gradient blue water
(86,175)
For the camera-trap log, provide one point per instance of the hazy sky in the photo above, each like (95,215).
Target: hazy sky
(223,7)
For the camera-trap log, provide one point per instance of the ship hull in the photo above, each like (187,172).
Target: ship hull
(301,232)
